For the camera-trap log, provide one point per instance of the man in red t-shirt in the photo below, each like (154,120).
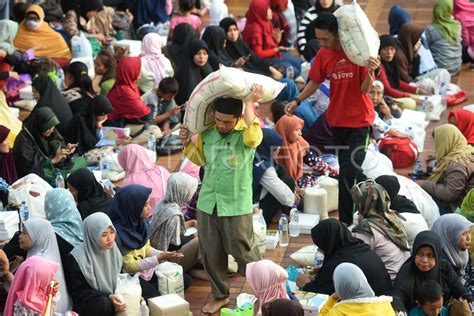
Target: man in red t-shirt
(350,112)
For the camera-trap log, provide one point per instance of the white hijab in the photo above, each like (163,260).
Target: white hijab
(350,282)
(45,244)
(99,266)
(218,12)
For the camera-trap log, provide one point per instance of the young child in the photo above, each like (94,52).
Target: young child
(429,297)
(167,113)
(186,7)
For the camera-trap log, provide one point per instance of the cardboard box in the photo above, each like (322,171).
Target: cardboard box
(168,305)
(306,222)
(272,239)
(311,302)
(134,47)
(9,219)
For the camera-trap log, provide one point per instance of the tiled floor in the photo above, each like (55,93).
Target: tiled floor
(199,293)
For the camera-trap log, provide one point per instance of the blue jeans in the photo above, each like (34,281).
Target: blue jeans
(288,60)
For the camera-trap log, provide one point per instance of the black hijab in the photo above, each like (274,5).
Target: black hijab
(51,97)
(91,198)
(90,5)
(183,33)
(239,49)
(391,68)
(398,203)
(38,122)
(214,36)
(188,74)
(82,129)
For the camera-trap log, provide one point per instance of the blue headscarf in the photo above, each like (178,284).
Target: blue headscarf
(61,211)
(147,11)
(397,17)
(125,212)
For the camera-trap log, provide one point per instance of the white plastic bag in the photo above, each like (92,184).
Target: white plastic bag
(358,38)
(305,256)
(81,50)
(260,231)
(227,82)
(376,164)
(130,292)
(32,189)
(170,278)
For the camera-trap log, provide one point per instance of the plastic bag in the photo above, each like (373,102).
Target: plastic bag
(130,292)
(260,231)
(32,189)
(170,278)
(243,311)
(81,50)
(305,256)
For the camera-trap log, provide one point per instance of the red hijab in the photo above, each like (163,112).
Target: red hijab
(258,29)
(279,19)
(125,96)
(465,123)
(291,155)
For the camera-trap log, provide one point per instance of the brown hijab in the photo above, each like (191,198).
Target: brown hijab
(408,36)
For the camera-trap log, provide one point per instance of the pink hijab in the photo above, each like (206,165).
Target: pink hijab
(30,285)
(152,58)
(267,280)
(463,11)
(141,169)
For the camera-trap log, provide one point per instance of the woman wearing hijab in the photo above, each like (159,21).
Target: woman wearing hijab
(425,264)
(264,40)
(455,233)
(98,19)
(47,94)
(28,293)
(408,59)
(93,267)
(193,67)
(353,295)
(168,225)
(443,37)
(125,96)
(397,17)
(464,12)
(218,12)
(335,241)
(85,128)
(7,162)
(279,20)
(88,193)
(78,92)
(34,32)
(61,211)
(379,227)
(147,11)
(452,178)
(282,307)
(38,239)
(464,121)
(214,36)
(153,60)
(182,35)
(267,280)
(36,146)
(273,188)
(141,169)
(8,30)
(129,212)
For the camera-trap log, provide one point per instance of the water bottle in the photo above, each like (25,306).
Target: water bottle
(290,72)
(60,180)
(294,222)
(418,168)
(443,92)
(151,141)
(24,212)
(104,167)
(318,258)
(411,133)
(283,230)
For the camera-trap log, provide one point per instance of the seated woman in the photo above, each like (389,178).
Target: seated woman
(7,162)
(129,212)
(282,307)
(463,12)
(92,269)
(193,67)
(104,66)
(464,121)
(97,20)
(455,233)
(215,38)
(182,35)
(61,211)
(452,178)
(38,239)
(168,225)
(273,188)
(263,39)
(88,193)
(78,85)
(47,94)
(141,169)
(353,295)
(425,264)
(237,48)
(380,227)
(30,288)
(335,241)
(36,147)
(147,11)
(35,33)
(267,280)
(408,59)
(153,60)
(443,37)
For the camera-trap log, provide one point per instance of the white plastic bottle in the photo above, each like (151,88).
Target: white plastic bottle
(60,180)
(283,230)
(151,141)
(294,222)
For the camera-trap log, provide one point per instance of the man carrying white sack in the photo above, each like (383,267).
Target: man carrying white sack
(350,112)
(225,226)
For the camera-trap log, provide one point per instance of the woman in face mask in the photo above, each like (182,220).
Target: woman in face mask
(34,33)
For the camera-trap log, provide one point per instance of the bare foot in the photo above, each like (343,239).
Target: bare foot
(215,305)
(199,274)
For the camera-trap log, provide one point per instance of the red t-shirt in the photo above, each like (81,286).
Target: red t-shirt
(348,106)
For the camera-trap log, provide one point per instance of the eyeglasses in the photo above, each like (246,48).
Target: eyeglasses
(430,256)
